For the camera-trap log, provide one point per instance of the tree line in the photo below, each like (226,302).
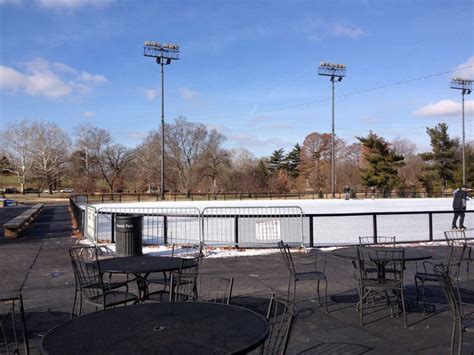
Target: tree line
(44,156)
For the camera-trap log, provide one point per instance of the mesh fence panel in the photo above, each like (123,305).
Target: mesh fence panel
(254,226)
(160,225)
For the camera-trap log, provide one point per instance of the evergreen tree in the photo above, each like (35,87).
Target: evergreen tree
(469,164)
(276,161)
(382,164)
(293,159)
(262,175)
(438,174)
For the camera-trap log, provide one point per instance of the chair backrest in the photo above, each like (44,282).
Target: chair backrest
(184,279)
(189,251)
(286,254)
(392,261)
(280,315)
(382,240)
(456,254)
(454,235)
(446,283)
(201,288)
(86,266)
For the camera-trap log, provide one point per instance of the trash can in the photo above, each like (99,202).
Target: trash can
(128,235)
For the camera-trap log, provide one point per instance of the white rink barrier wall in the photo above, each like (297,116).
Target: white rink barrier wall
(265,226)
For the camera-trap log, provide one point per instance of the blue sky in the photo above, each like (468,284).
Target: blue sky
(242,64)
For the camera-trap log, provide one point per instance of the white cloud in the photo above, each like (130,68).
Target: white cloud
(89,114)
(445,108)
(71,4)
(47,79)
(369,120)
(35,84)
(10,2)
(346,31)
(96,79)
(468,72)
(138,135)
(10,79)
(247,140)
(189,94)
(150,94)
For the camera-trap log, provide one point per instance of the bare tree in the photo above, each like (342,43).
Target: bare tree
(147,162)
(403,146)
(316,159)
(101,156)
(17,141)
(188,145)
(50,154)
(113,162)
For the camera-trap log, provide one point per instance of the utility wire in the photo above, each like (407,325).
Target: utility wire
(283,108)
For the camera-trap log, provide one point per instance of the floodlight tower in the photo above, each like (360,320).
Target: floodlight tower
(164,54)
(465,85)
(335,72)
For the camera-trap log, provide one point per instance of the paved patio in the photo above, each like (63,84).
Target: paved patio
(48,290)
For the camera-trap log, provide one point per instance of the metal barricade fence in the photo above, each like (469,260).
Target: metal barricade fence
(265,226)
(160,225)
(252,226)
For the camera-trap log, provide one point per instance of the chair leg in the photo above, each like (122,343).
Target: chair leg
(80,304)
(326,295)
(417,292)
(453,335)
(403,307)
(25,329)
(458,290)
(319,297)
(74,304)
(424,296)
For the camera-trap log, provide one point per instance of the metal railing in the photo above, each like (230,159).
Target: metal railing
(225,196)
(255,226)
(264,226)
(160,225)
(78,214)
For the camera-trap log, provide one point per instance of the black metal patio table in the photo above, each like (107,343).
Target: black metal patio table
(165,328)
(141,267)
(140,264)
(411,254)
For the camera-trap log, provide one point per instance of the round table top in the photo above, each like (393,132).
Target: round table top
(165,328)
(411,254)
(140,264)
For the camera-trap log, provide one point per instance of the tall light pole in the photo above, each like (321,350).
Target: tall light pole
(164,54)
(335,72)
(465,85)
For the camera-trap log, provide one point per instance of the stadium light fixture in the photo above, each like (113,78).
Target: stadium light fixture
(335,72)
(465,85)
(164,54)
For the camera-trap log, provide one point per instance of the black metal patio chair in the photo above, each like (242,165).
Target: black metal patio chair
(379,280)
(90,284)
(383,241)
(281,317)
(455,257)
(308,270)
(9,324)
(199,288)
(459,236)
(186,251)
(461,324)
